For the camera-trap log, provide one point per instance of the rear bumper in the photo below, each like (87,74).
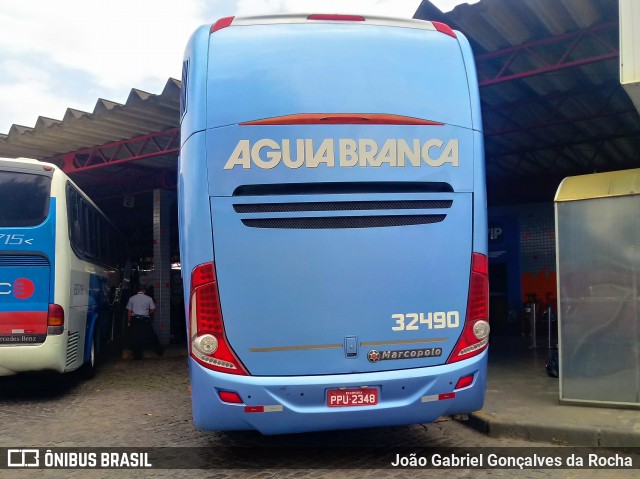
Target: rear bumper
(47,356)
(279,405)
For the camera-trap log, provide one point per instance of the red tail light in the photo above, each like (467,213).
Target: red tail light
(331,17)
(207,340)
(475,335)
(342,119)
(55,319)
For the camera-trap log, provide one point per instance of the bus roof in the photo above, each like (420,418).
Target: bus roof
(28,161)
(332,18)
(20,160)
(375,65)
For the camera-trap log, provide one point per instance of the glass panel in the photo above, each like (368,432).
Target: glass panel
(24,199)
(599,262)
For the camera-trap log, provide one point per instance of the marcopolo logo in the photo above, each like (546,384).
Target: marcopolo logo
(374,355)
(343,152)
(21,288)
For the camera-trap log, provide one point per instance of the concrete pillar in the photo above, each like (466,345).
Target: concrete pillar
(162,264)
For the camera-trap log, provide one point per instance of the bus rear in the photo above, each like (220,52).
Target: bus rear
(28,318)
(333,224)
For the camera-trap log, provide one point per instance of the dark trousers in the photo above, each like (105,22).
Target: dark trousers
(143,335)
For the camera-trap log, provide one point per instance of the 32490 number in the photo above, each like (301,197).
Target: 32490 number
(414,321)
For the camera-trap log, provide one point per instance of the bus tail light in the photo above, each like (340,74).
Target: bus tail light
(55,319)
(208,342)
(335,17)
(475,334)
(342,119)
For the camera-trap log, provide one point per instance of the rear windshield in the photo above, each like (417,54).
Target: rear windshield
(265,71)
(24,198)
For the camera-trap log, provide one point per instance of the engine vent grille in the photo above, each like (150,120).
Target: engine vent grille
(23,260)
(342,206)
(342,222)
(373,220)
(72,348)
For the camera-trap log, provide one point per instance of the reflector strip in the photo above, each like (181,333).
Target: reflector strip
(272,408)
(438,397)
(230,397)
(342,119)
(465,381)
(34,322)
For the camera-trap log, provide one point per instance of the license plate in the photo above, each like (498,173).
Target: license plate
(352,397)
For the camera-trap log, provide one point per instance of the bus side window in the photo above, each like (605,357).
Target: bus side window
(77,236)
(75,223)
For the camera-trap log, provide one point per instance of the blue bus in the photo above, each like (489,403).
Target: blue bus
(332,219)
(61,265)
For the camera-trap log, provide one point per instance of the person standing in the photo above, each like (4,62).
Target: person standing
(140,309)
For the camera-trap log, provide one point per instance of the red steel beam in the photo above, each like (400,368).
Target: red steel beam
(550,54)
(611,100)
(561,121)
(122,151)
(584,140)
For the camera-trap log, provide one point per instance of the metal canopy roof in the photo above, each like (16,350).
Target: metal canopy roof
(552,103)
(118,149)
(551,99)
(142,113)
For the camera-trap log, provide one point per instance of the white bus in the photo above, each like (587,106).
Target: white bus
(60,267)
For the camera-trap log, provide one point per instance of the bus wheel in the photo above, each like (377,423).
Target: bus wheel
(88,369)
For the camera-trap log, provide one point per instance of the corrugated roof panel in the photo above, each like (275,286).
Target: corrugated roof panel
(586,13)
(561,111)
(141,114)
(549,120)
(553,15)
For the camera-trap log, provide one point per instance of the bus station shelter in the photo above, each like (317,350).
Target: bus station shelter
(553,106)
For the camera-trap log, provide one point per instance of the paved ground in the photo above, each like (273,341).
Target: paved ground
(146,404)
(523,401)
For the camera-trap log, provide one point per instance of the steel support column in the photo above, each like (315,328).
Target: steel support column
(162,264)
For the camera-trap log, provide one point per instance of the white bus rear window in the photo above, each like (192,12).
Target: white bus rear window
(24,199)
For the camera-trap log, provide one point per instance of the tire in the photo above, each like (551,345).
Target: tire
(88,369)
